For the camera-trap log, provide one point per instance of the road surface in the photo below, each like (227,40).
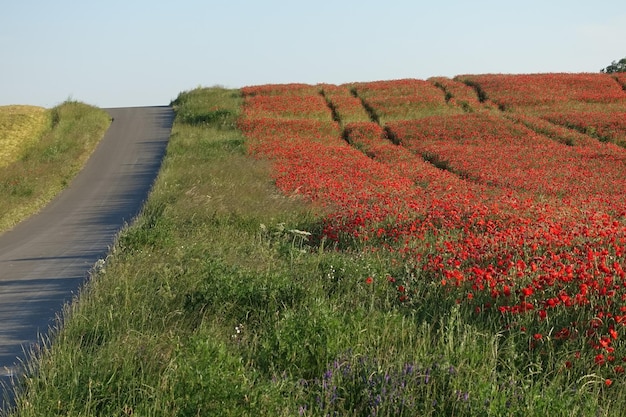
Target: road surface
(45,259)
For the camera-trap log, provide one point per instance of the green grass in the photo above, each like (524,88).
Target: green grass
(44,165)
(215,303)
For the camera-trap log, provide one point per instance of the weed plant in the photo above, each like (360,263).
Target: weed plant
(222,300)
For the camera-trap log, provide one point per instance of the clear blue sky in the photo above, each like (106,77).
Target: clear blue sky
(137,52)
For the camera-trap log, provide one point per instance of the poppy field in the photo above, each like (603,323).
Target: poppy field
(504,191)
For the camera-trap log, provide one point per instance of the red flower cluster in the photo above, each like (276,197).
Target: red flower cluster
(287,107)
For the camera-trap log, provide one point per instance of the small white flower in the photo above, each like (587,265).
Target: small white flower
(99,266)
(300,232)
(238,331)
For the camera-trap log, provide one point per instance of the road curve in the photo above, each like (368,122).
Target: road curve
(45,259)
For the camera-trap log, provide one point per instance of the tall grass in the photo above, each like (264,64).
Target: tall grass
(48,157)
(218,302)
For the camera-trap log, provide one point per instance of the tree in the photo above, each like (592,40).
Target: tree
(616,66)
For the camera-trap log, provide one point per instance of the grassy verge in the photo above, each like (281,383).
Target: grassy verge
(47,158)
(217,302)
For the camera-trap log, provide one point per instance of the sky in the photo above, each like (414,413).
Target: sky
(121,53)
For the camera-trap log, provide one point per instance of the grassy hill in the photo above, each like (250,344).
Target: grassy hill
(40,151)
(410,247)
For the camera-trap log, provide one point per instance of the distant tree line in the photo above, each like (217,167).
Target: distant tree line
(616,66)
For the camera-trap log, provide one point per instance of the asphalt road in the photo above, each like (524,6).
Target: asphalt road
(45,259)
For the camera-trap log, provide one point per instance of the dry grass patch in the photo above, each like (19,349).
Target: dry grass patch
(20,126)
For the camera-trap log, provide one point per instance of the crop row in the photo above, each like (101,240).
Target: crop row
(601,125)
(536,89)
(403,99)
(496,151)
(594,104)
